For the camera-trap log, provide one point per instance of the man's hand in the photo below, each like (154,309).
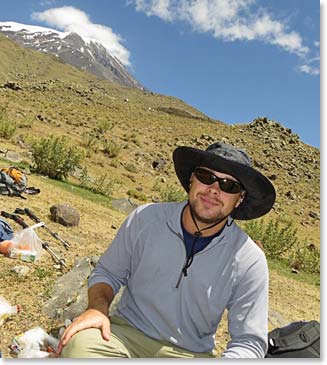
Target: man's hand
(92,318)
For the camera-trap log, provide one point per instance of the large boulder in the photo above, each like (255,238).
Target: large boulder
(64,214)
(69,298)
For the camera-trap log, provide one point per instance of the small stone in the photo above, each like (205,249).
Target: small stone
(291,195)
(314,215)
(20,270)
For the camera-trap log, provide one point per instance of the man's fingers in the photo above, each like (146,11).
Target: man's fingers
(68,333)
(105,331)
(59,349)
(90,319)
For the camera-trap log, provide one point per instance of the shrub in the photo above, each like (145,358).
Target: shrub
(26,122)
(306,258)
(90,142)
(137,195)
(111,148)
(7,127)
(102,185)
(103,126)
(114,162)
(276,240)
(131,168)
(156,186)
(55,157)
(172,194)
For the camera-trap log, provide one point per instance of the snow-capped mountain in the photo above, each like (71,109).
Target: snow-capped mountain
(88,55)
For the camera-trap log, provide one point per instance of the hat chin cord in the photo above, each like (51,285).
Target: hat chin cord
(197,234)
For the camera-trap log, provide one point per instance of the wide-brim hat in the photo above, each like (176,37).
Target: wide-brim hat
(260,193)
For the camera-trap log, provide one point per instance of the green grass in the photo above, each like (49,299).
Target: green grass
(82,193)
(22,165)
(283,268)
(41,273)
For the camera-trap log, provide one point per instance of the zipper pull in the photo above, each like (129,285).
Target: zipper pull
(179,279)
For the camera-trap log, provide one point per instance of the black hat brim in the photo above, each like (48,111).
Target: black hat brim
(260,193)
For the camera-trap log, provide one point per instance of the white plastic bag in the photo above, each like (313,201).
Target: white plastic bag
(7,310)
(27,245)
(34,343)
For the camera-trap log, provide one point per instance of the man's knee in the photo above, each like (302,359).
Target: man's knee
(81,345)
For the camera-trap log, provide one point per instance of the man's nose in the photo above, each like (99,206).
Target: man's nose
(214,188)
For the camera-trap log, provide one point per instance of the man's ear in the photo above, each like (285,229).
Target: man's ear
(191,179)
(241,198)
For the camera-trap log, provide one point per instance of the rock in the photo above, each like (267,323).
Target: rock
(311,247)
(159,164)
(13,156)
(208,137)
(314,215)
(123,205)
(12,85)
(40,117)
(70,291)
(258,164)
(276,319)
(65,215)
(291,195)
(279,164)
(20,270)
(155,199)
(273,177)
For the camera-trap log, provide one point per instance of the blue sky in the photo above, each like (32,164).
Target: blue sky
(234,60)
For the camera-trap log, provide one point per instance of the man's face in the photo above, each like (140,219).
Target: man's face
(208,202)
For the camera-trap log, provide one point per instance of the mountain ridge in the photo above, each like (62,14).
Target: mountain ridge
(86,54)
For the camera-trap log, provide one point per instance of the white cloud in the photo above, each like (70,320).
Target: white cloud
(47,2)
(311,66)
(70,19)
(309,70)
(229,20)
(160,8)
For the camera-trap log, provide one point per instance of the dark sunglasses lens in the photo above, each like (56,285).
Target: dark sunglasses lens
(205,176)
(229,186)
(226,185)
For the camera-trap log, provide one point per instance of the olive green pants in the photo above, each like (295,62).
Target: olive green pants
(125,342)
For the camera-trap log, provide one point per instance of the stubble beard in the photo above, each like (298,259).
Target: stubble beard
(219,217)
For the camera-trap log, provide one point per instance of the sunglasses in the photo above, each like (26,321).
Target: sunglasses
(208,178)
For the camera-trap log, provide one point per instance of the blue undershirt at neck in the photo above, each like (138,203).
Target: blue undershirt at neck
(201,242)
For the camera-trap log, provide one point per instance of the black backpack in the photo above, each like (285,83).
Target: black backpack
(296,340)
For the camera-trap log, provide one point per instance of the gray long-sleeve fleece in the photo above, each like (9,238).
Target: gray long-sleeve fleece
(147,256)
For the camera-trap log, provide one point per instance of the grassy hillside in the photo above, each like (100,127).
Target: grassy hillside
(122,132)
